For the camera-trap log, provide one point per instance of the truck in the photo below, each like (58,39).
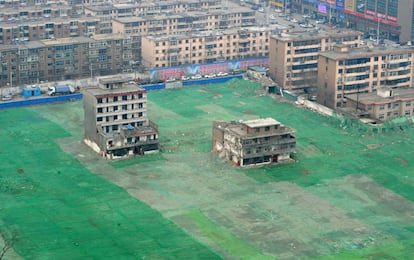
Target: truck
(60,90)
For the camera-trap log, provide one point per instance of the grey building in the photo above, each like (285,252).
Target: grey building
(116,122)
(253,142)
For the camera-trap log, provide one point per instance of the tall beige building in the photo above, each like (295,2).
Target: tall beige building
(205,47)
(293,57)
(345,71)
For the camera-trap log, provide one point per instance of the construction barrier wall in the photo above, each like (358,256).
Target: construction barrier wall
(40,101)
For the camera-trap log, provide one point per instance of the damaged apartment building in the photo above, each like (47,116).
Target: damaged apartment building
(116,123)
(253,142)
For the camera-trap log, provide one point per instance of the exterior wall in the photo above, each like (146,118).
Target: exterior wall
(363,71)
(163,52)
(327,87)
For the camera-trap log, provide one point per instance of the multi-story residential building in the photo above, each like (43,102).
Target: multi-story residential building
(148,8)
(116,122)
(345,71)
(67,58)
(293,58)
(383,104)
(39,29)
(184,22)
(253,142)
(34,12)
(393,19)
(205,47)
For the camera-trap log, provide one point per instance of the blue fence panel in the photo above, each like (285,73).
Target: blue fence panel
(40,101)
(154,86)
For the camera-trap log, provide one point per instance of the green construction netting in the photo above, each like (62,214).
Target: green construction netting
(348,195)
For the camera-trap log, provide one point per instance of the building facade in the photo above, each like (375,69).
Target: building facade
(184,22)
(116,122)
(205,47)
(383,104)
(63,59)
(53,28)
(345,71)
(253,142)
(293,57)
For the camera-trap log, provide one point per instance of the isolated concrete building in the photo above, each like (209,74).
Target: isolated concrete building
(384,104)
(345,71)
(253,142)
(116,122)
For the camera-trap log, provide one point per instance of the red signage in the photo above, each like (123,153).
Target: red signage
(381,17)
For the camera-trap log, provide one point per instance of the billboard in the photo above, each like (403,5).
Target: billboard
(349,5)
(322,8)
(340,4)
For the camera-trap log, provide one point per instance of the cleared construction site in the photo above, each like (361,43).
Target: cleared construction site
(348,194)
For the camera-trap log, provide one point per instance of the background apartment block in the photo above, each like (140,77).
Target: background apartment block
(40,29)
(184,22)
(62,59)
(293,57)
(345,71)
(205,47)
(116,119)
(148,8)
(253,142)
(34,12)
(382,104)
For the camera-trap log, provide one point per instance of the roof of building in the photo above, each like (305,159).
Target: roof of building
(366,52)
(261,122)
(373,97)
(300,35)
(125,88)
(68,40)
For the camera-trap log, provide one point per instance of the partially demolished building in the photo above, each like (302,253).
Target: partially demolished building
(116,122)
(253,142)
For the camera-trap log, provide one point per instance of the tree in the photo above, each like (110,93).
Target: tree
(8,243)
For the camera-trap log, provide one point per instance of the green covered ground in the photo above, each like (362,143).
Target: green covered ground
(349,195)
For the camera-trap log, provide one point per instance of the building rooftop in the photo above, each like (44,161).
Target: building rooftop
(373,97)
(300,35)
(366,52)
(126,88)
(261,122)
(69,40)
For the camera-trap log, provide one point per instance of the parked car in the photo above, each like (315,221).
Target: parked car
(212,75)
(197,76)
(221,74)
(293,20)
(261,9)
(185,78)
(7,97)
